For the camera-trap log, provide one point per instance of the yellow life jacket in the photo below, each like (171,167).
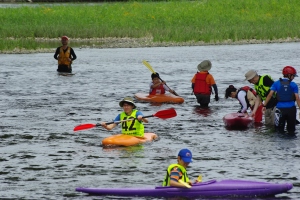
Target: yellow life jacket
(261,89)
(134,127)
(184,177)
(63,58)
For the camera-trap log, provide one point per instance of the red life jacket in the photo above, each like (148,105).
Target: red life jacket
(201,87)
(158,90)
(246,89)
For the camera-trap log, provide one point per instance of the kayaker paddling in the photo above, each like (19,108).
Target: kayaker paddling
(134,127)
(157,86)
(176,173)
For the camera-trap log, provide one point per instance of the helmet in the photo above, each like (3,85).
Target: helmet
(289,70)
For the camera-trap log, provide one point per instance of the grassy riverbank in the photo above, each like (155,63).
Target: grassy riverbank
(173,23)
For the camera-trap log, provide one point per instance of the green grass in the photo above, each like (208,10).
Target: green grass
(168,21)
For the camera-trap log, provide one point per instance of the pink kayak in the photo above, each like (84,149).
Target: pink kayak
(237,120)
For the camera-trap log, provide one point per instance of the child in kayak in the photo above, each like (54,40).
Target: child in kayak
(177,172)
(133,127)
(157,86)
(247,97)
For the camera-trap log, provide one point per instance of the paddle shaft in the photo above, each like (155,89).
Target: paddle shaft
(168,86)
(163,114)
(152,70)
(125,120)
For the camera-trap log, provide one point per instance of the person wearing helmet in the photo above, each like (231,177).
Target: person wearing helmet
(134,127)
(286,94)
(157,86)
(65,56)
(262,86)
(202,84)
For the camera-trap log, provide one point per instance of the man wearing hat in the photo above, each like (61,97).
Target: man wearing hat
(202,83)
(262,85)
(134,127)
(65,55)
(176,172)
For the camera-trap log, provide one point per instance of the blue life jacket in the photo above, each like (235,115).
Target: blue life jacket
(285,92)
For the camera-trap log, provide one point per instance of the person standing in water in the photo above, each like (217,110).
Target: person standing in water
(202,82)
(286,93)
(247,97)
(65,56)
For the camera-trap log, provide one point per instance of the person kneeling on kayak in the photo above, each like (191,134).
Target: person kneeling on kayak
(134,127)
(247,97)
(177,172)
(157,86)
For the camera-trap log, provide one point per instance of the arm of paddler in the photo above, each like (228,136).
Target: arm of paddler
(108,127)
(140,118)
(180,183)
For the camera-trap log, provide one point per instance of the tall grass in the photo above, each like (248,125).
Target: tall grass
(168,21)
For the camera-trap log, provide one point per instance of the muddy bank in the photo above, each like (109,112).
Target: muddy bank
(103,43)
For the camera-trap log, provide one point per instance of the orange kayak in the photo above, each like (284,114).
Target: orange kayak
(159,98)
(127,140)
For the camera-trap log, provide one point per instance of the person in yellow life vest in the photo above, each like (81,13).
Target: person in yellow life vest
(176,172)
(134,127)
(262,85)
(65,55)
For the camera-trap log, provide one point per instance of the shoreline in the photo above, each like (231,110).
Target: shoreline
(106,43)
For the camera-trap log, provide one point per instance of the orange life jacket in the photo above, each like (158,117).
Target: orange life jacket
(64,56)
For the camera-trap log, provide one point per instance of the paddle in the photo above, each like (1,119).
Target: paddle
(162,114)
(152,70)
(184,183)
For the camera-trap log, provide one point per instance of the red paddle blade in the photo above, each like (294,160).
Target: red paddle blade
(165,114)
(84,126)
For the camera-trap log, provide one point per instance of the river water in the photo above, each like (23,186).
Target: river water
(42,158)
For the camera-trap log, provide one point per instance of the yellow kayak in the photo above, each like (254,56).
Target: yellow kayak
(127,140)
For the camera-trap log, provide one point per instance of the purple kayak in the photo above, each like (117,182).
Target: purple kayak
(210,188)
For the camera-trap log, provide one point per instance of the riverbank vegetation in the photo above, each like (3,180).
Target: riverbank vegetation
(169,22)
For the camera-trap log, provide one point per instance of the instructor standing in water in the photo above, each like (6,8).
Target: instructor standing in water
(65,55)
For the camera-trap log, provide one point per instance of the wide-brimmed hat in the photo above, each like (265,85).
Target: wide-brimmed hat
(205,65)
(128,100)
(250,75)
(185,155)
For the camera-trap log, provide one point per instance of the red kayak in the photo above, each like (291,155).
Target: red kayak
(237,120)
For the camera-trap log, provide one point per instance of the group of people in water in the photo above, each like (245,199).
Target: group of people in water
(275,99)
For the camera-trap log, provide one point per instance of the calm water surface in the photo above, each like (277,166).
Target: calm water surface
(42,158)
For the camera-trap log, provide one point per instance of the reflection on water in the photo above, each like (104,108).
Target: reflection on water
(42,158)
(203,111)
